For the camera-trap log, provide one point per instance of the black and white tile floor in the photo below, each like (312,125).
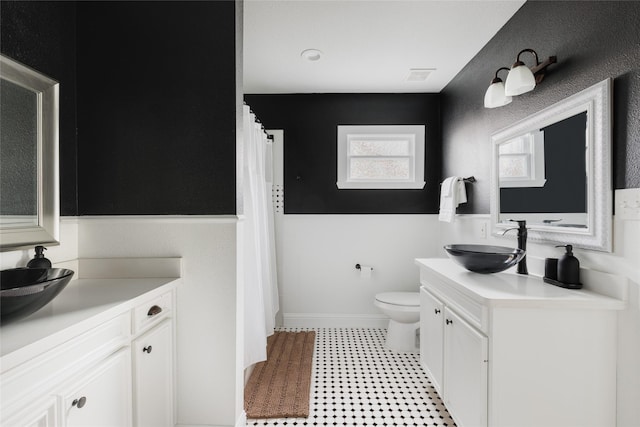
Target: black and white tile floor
(358,382)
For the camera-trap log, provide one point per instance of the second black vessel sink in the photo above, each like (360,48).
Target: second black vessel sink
(484,258)
(26,290)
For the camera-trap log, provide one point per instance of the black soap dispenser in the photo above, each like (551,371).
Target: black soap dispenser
(569,269)
(39,261)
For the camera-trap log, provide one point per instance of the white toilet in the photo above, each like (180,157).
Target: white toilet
(403,309)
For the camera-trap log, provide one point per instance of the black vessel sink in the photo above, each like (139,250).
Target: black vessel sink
(484,258)
(26,290)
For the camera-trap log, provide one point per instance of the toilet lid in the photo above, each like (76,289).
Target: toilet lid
(411,299)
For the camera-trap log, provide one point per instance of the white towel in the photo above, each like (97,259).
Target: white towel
(462,191)
(452,193)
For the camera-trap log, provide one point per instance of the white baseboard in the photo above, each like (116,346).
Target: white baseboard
(242,420)
(247,373)
(330,320)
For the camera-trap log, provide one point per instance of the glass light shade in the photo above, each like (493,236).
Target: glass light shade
(520,80)
(495,96)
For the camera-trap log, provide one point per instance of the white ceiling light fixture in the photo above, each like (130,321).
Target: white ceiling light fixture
(495,95)
(520,79)
(311,55)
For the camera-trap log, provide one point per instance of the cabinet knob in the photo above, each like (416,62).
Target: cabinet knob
(156,309)
(79,402)
(437,310)
(147,349)
(449,321)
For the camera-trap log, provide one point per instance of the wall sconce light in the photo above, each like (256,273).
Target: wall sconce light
(495,95)
(520,79)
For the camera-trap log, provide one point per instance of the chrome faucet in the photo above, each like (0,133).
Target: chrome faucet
(522,243)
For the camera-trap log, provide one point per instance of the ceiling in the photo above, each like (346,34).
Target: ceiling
(368,46)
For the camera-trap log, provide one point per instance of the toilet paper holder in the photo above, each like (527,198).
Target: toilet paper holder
(359,267)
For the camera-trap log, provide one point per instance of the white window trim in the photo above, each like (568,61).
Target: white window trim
(416,133)
(535,164)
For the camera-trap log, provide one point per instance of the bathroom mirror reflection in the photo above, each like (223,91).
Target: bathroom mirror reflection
(543,176)
(19,150)
(553,170)
(29,206)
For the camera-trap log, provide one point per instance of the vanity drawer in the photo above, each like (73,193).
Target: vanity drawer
(40,374)
(152,311)
(472,311)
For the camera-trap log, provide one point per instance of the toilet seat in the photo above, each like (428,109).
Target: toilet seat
(400,299)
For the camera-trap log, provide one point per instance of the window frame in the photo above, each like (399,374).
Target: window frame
(415,134)
(534,158)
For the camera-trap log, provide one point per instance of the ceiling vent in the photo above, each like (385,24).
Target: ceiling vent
(419,74)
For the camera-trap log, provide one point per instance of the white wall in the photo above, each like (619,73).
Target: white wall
(209,370)
(317,254)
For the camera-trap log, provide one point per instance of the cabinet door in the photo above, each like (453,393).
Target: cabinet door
(44,414)
(101,397)
(465,372)
(153,373)
(431,337)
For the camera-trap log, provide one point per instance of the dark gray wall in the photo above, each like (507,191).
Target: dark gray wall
(592,40)
(42,35)
(156,107)
(155,100)
(310,151)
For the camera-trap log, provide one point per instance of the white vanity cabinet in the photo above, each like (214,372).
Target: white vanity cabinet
(78,364)
(91,367)
(432,337)
(507,350)
(153,367)
(102,395)
(44,414)
(153,382)
(445,336)
(465,370)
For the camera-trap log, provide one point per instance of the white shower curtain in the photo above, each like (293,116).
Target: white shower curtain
(261,290)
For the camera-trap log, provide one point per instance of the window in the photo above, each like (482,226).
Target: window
(372,157)
(521,161)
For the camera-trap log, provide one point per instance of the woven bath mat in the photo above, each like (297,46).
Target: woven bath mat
(279,387)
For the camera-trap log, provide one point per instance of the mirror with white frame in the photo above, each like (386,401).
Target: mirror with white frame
(553,169)
(29,189)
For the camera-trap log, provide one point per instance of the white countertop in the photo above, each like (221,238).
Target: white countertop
(84,304)
(509,289)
